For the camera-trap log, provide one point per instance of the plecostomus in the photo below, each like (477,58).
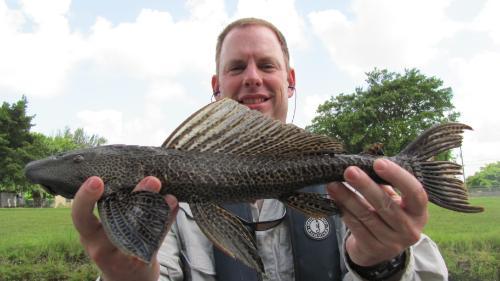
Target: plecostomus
(228,153)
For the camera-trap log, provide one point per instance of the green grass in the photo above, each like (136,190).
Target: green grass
(470,243)
(41,244)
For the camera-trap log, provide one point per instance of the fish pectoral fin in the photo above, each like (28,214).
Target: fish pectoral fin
(136,222)
(227,233)
(312,204)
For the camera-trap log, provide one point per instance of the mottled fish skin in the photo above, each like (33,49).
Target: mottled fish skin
(227,153)
(195,177)
(202,177)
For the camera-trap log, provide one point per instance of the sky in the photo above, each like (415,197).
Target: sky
(132,71)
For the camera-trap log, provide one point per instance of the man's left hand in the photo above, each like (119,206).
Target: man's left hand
(382,223)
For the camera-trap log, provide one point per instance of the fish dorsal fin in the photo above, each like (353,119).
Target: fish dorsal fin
(228,127)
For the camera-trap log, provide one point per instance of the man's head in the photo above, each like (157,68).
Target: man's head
(253,67)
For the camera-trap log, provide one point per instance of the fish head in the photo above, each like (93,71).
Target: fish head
(64,173)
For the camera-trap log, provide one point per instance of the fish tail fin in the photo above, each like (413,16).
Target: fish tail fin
(438,177)
(312,204)
(136,222)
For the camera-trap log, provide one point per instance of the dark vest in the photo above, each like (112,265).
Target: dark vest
(313,259)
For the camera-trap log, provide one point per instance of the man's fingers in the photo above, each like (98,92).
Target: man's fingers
(153,184)
(171,201)
(81,212)
(150,183)
(413,193)
(173,205)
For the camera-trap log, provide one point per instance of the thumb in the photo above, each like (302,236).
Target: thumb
(81,212)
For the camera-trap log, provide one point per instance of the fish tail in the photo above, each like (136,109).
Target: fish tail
(439,177)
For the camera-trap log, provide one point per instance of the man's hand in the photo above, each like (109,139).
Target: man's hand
(382,224)
(114,264)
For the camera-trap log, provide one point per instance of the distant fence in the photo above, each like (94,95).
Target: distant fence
(44,203)
(484,191)
(13,200)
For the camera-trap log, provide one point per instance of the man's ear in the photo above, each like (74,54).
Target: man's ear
(291,82)
(215,87)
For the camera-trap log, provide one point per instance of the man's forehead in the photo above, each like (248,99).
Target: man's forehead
(246,29)
(263,39)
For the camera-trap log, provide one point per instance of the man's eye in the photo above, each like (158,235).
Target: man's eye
(267,66)
(236,68)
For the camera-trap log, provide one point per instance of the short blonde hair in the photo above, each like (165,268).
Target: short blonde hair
(248,22)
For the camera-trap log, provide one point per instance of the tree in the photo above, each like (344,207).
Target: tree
(44,146)
(392,110)
(488,176)
(15,137)
(82,139)
(18,146)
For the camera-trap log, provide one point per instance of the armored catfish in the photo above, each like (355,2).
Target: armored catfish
(228,153)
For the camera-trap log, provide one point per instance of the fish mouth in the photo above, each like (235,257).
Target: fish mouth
(48,189)
(36,173)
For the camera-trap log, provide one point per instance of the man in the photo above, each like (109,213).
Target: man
(384,241)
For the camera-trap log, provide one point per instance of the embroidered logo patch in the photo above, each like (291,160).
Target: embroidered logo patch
(317,228)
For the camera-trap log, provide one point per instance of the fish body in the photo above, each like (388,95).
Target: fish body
(226,153)
(192,177)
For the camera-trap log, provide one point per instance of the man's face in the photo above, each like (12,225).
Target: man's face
(252,71)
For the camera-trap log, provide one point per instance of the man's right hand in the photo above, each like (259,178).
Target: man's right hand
(114,264)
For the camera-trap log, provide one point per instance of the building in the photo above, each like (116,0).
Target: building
(60,201)
(9,200)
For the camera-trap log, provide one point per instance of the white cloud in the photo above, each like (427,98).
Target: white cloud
(309,105)
(36,63)
(46,13)
(477,79)
(154,45)
(385,34)
(477,99)
(282,13)
(488,20)
(107,123)
(39,50)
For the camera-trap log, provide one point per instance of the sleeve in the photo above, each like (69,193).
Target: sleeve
(186,253)
(423,263)
(169,257)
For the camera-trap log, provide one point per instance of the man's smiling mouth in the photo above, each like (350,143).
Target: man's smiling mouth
(247,101)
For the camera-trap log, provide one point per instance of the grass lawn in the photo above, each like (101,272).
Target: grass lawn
(470,243)
(41,244)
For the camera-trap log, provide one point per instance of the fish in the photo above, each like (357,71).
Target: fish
(227,153)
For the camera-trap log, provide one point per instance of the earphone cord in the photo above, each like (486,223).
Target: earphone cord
(294,104)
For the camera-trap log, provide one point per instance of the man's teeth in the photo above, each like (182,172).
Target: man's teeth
(253,101)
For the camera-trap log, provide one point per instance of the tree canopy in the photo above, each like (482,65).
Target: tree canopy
(18,145)
(393,109)
(487,176)
(15,140)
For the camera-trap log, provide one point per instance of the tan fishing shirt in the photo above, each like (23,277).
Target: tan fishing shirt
(186,243)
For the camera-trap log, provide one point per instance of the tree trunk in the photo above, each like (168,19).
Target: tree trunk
(37,199)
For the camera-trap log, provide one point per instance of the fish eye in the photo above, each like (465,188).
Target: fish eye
(78,158)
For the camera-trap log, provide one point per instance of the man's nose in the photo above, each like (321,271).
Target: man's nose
(252,76)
